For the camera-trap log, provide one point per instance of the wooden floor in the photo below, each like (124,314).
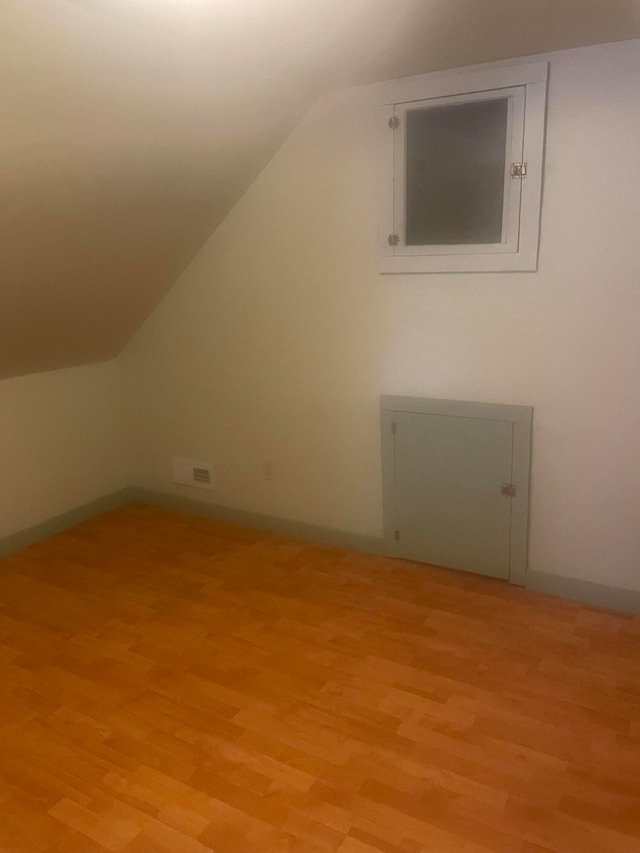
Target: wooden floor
(174,685)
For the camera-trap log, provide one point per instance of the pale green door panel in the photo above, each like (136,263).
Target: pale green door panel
(456,483)
(450,510)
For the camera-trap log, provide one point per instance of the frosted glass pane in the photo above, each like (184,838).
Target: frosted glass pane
(455,173)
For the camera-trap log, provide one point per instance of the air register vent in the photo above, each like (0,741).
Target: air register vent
(190,473)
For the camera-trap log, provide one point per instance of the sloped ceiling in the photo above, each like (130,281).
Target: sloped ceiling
(129,128)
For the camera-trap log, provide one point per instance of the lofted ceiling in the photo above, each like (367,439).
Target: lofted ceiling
(131,127)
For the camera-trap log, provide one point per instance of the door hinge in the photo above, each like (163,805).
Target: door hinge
(518,170)
(396,535)
(508,489)
(393,239)
(394,122)
(394,428)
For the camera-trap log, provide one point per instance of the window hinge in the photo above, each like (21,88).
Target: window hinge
(393,429)
(393,239)
(518,170)
(394,122)
(396,535)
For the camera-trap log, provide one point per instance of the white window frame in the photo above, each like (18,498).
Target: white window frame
(525,85)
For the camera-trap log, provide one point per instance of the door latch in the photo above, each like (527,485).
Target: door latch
(518,170)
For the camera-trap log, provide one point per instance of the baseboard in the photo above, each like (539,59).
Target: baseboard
(601,595)
(274,524)
(31,535)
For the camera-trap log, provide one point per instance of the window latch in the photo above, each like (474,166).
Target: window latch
(518,170)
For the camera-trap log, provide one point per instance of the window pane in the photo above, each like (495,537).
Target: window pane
(455,173)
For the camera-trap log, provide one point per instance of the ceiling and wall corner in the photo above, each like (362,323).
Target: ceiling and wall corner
(130,128)
(279,338)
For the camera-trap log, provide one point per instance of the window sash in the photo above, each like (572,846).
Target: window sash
(515,97)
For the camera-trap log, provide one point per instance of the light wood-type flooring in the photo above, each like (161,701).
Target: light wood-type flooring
(175,685)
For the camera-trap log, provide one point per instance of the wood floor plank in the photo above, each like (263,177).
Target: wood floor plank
(177,684)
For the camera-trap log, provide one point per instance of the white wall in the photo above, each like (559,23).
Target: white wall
(279,338)
(62,442)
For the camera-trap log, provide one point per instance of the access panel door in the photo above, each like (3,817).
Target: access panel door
(452,478)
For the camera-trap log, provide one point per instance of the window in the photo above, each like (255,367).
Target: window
(462,171)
